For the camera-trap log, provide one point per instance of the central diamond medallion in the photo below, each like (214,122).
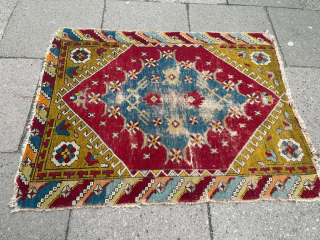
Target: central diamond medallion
(180,106)
(173,100)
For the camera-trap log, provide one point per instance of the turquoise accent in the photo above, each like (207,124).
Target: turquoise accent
(71,34)
(243,38)
(99,199)
(221,195)
(274,156)
(65,132)
(198,35)
(55,52)
(162,197)
(244,55)
(287,187)
(287,115)
(113,34)
(35,141)
(156,36)
(32,203)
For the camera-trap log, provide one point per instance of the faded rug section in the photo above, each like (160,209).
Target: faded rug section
(163,117)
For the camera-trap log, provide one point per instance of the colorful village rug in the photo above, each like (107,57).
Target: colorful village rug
(126,118)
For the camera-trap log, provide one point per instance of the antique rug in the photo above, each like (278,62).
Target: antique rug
(127,118)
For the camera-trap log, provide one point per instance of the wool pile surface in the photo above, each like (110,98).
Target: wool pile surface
(126,118)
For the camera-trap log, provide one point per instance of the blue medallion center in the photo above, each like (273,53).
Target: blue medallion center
(172,99)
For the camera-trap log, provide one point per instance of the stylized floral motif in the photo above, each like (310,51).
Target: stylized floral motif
(216,126)
(194,98)
(167,54)
(228,86)
(252,185)
(175,155)
(34,132)
(171,76)
(207,75)
(193,120)
(190,187)
(155,78)
(94,98)
(153,99)
(66,190)
(151,63)
(157,121)
(279,185)
(309,185)
(188,79)
(234,112)
(65,154)
(32,193)
(271,155)
(50,64)
(98,190)
(65,35)
(154,141)
(133,74)
(260,58)
(26,162)
(80,55)
(253,98)
(290,150)
(128,189)
(242,54)
(115,86)
(160,187)
(176,125)
(114,112)
(46,84)
(133,126)
(186,64)
(222,186)
(197,140)
(261,40)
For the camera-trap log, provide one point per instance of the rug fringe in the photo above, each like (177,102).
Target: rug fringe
(139,205)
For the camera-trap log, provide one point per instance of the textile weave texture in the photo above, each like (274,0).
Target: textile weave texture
(126,118)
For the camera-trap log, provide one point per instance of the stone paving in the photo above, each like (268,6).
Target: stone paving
(26,28)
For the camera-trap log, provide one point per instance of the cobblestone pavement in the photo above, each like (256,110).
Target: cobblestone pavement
(26,28)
